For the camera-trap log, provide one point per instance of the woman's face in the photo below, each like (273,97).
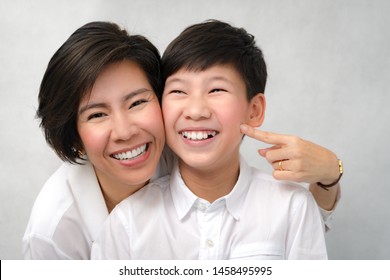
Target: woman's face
(121,127)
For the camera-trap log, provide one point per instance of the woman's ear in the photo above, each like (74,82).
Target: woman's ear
(256,111)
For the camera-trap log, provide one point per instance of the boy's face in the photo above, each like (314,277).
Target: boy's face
(202,113)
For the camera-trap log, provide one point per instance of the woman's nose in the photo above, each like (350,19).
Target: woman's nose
(123,128)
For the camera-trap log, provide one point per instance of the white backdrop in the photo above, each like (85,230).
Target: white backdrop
(329,69)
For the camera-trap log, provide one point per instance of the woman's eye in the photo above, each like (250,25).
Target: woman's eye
(138,102)
(95,116)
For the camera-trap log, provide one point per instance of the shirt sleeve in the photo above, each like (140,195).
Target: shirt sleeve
(37,247)
(327,215)
(113,240)
(306,238)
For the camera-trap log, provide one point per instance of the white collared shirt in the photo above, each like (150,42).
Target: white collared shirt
(260,219)
(66,216)
(69,212)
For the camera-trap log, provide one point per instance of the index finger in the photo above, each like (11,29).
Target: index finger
(265,136)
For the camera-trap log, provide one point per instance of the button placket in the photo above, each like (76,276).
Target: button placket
(210,227)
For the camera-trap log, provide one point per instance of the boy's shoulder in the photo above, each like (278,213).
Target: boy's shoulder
(267,181)
(266,190)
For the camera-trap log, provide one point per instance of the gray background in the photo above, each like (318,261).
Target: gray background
(329,64)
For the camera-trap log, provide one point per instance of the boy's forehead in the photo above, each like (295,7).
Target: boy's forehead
(219,71)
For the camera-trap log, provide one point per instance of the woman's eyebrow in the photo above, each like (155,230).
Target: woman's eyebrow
(91,106)
(135,93)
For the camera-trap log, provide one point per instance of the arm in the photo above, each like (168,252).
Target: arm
(37,247)
(305,239)
(298,160)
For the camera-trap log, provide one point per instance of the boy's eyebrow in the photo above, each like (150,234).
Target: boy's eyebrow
(102,104)
(220,78)
(173,80)
(214,78)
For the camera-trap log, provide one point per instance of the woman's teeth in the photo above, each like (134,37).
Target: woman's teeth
(131,154)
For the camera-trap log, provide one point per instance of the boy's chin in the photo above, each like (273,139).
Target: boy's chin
(198,162)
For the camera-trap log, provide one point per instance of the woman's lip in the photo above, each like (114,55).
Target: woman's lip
(139,159)
(125,150)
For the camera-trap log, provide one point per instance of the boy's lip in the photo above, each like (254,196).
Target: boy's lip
(198,133)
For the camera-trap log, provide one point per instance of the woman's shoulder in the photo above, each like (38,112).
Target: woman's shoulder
(55,196)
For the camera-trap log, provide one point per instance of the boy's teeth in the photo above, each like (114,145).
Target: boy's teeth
(130,154)
(198,135)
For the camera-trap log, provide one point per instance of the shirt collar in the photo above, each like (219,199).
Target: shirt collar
(184,199)
(88,196)
(236,197)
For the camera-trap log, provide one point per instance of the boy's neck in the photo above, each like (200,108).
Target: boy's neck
(210,184)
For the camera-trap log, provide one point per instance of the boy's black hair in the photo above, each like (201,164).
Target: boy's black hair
(206,44)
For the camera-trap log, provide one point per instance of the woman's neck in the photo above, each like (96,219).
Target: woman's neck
(113,196)
(115,192)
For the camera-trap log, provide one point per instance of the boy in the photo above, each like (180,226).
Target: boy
(213,205)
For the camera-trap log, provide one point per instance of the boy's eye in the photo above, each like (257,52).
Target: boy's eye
(95,116)
(138,102)
(177,91)
(216,90)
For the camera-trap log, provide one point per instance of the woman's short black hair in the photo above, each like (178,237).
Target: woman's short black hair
(72,72)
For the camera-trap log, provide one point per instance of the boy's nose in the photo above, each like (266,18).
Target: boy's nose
(197,108)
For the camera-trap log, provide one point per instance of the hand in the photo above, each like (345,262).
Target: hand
(301,160)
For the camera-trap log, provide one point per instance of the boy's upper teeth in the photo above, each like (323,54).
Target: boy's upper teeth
(130,154)
(198,135)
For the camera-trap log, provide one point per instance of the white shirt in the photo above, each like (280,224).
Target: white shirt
(260,219)
(69,212)
(66,215)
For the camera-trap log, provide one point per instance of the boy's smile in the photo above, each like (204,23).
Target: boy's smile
(198,136)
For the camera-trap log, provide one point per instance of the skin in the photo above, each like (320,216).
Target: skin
(212,102)
(113,129)
(121,115)
(303,161)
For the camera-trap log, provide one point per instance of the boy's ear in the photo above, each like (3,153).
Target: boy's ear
(256,111)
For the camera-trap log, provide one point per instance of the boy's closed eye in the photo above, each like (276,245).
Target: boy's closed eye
(216,90)
(176,91)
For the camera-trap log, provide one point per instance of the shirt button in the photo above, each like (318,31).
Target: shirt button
(210,243)
(202,207)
